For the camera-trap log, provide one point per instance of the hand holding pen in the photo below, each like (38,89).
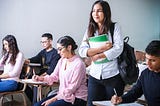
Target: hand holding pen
(115,92)
(36,77)
(115,99)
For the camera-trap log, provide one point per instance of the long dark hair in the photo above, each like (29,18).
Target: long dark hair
(107,19)
(13,49)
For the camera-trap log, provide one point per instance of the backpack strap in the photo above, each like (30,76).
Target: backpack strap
(112,31)
(126,39)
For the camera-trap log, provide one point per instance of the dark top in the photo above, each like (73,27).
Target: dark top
(47,60)
(149,85)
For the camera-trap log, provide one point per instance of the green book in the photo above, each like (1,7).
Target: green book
(96,42)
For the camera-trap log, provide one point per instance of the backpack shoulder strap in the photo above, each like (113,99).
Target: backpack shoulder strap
(126,39)
(112,31)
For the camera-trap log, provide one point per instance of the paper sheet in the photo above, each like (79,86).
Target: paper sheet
(34,64)
(32,82)
(108,103)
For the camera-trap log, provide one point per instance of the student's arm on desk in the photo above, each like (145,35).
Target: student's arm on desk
(37,78)
(27,62)
(116,100)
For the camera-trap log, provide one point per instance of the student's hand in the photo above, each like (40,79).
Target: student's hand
(106,46)
(116,100)
(37,78)
(95,57)
(47,102)
(27,61)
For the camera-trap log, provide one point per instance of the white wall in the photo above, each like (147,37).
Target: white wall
(29,19)
(139,19)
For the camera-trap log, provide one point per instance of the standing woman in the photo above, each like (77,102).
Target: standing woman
(12,61)
(104,77)
(70,72)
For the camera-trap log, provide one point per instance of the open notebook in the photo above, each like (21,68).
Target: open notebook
(108,103)
(30,81)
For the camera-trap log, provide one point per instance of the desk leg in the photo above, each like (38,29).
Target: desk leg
(39,93)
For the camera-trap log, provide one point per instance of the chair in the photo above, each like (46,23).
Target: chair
(20,90)
(51,89)
(140,56)
(40,90)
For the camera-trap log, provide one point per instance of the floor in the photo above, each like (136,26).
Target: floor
(17,101)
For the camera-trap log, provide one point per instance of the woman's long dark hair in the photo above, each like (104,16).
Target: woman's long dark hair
(107,19)
(13,49)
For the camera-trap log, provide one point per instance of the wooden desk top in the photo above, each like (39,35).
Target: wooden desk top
(30,81)
(34,64)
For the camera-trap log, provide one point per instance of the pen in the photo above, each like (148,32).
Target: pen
(115,91)
(34,72)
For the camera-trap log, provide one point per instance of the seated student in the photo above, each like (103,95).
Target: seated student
(48,58)
(148,82)
(70,72)
(12,60)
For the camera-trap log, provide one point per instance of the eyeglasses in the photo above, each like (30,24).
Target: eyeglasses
(44,41)
(60,48)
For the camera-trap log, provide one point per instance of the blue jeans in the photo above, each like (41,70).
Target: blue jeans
(78,102)
(99,90)
(8,85)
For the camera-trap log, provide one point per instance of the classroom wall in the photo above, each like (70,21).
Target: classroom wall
(29,19)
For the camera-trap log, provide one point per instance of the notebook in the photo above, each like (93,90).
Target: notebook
(98,41)
(108,103)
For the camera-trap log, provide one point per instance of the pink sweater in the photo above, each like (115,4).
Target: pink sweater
(72,80)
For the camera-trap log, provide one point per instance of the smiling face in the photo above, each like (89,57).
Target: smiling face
(97,14)
(6,45)
(153,63)
(64,52)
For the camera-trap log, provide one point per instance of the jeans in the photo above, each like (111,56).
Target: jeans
(8,85)
(78,102)
(103,89)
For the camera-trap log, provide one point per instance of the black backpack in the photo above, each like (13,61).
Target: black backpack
(127,63)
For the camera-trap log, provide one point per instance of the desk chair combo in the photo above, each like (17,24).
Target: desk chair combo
(20,90)
(40,89)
